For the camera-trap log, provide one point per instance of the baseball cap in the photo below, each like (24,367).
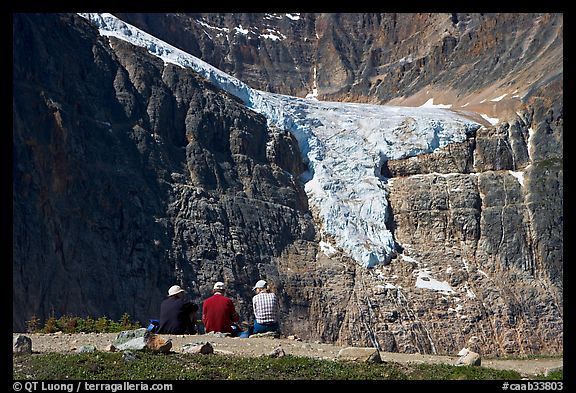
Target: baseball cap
(219,285)
(260,284)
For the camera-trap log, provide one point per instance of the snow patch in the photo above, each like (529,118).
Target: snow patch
(519,176)
(240,30)
(470,294)
(425,281)
(491,120)
(272,36)
(430,104)
(458,308)
(530,142)
(272,16)
(408,259)
(204,24)
(499,98)
(327,249)
(314,94)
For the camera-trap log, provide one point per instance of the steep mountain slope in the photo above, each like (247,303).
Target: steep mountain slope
(129,176)
(483,62)
(117,140)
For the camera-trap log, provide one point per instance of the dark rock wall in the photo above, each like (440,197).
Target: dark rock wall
(84,195)
(130,176)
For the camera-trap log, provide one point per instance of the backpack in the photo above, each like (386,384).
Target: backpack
(153,326)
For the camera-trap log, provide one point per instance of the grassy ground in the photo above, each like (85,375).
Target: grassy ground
(175,366)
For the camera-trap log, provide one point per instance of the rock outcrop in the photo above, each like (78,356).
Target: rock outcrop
(131,175)
(480,230)
(21,345)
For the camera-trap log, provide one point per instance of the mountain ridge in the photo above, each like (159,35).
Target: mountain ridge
(375,56)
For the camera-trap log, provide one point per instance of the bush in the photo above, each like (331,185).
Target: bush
(51,325)
(102,325)
(87,325)
(67,324)
(33,325)
(73,324)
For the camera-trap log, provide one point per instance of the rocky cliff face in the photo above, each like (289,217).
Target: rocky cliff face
(131,175)
(480,228)
(462,60)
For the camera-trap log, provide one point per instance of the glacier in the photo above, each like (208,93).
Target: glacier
(344,145)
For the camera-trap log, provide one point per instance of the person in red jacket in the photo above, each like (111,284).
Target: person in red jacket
(218,311)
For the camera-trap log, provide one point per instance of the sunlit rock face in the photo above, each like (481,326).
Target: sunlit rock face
(248,184)
(485,62)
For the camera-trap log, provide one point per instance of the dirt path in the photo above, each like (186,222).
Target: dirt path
(258,346)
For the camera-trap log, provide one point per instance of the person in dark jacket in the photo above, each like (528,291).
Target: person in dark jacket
(177,315)
(218,312)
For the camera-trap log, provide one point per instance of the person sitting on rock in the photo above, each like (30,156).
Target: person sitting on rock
(265,306)
(177,315)
(218,312)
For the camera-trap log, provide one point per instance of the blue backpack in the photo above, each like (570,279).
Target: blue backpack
(153,326)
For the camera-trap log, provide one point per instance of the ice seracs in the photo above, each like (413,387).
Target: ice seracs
(343,144)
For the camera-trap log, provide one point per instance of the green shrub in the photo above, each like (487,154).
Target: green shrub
(74,324)
(125,322)
(33,325)
(51,325)
(67,324)
(87,325)
(102,325)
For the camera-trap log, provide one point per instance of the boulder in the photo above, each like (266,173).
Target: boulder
(468,358)
(360,354)
(202,348)
(86,348)
(131,340)
(140,339)
(21,345)
(277,352)
(129,356)
(157,343)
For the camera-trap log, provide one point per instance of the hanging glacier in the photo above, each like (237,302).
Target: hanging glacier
(343,144)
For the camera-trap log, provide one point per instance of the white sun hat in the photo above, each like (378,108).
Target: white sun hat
(174,290)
